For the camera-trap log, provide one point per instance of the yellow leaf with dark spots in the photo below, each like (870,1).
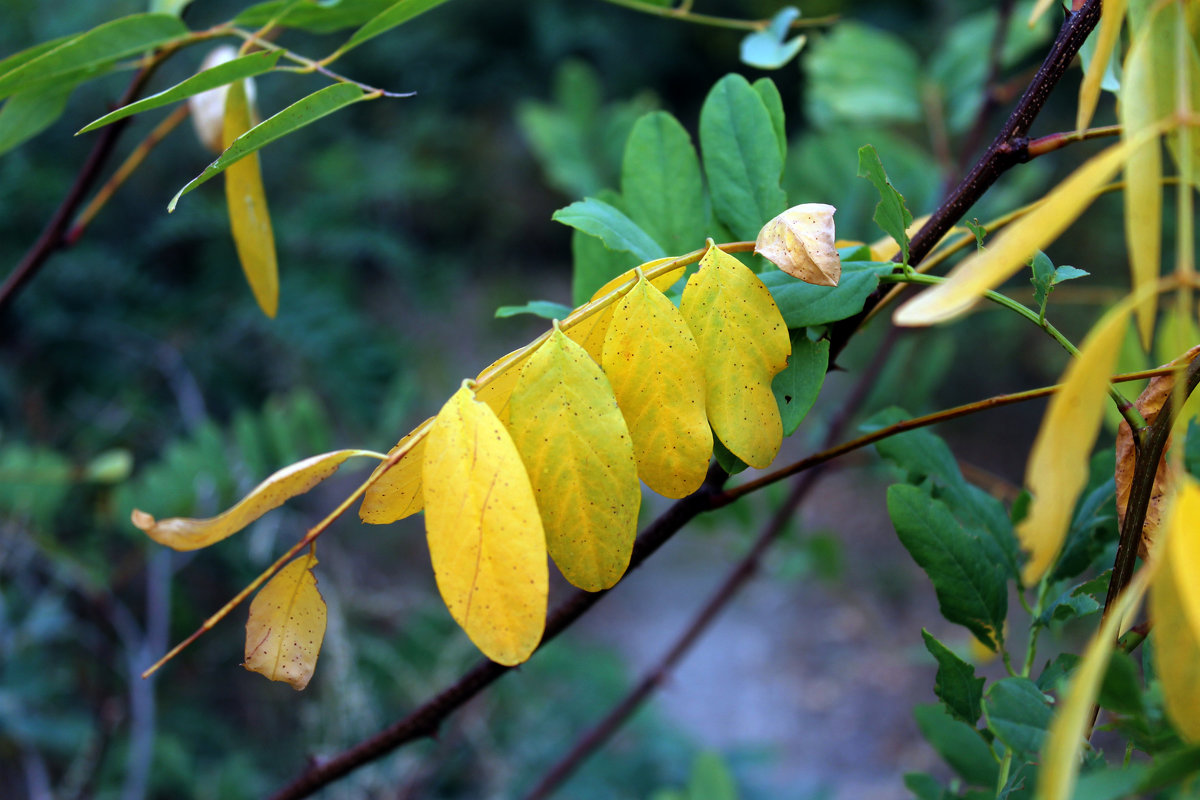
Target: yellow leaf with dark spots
(589,331)
(1175,611)
(182,533)
(743,344)
(396,493)
(654,366)
(248,216)
(576,448)
(483,529)
(287,625)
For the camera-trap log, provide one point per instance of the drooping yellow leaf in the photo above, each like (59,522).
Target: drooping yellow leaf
(654,365)
(589,330)
(396,493)
(182,533)
(1060,757)
(579,456)
(1012,248)
(743,344)
(248,216)
(287,625)
(1057,470)
(484,532)
(1175,611)
(800,241)
(500,382)
(1112,14)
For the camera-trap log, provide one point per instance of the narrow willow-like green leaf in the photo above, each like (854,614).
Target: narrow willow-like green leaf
(316,16)
(397,14)
(220,75)
(297,115)
(27,114)
(614,228)
(100,46)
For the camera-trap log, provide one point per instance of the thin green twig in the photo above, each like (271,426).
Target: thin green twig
(684,13)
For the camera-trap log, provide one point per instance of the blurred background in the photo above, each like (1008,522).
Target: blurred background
(136,370)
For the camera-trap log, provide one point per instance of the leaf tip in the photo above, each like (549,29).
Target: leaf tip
(142,520)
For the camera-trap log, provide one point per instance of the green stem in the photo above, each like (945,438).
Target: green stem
(1034,629)
(1005,766)
(683,12)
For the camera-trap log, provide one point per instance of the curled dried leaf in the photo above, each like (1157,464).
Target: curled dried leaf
(800,241)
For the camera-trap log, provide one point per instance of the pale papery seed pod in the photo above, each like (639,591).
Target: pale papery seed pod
(208,108)
(800,242)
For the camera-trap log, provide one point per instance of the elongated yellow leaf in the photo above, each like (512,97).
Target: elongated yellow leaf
(498,389)
(1011,249)
(396,493)
(248,216)
(743,344)
(484,532)
(589,331)
(660,282)
(576,448)
(1175,610)
(1057,470)
(287,625)
(1112,14)
(182,533)
(1060,757)
(654,365)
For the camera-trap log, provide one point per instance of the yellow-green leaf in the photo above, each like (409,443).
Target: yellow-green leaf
(576,448)
(743,344)
(182,533)
(1012,248)
(654,365)
(1057,470)
(484,532)
(396,493)
(1175,610)
(589,331)
(287,625)
(1060,757)
(498,389)
(248,216)
(1112,14)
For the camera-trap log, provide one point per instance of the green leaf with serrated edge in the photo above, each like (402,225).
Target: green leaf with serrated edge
(399,13)
(891,214)
(958,743)
(803,304)
(970,586)
(1043,277)
(955,684)
(303,112)
(1067,273)
(661,184)
(1018,713)
(1057,671)
(1068,605)
(610,225)
(771,98)
(102,45)
(538,308)
(797,387)
(27,114)
(977,230)
(770,48)
(220,75)
(1121,688)
(741,157)
(316,16)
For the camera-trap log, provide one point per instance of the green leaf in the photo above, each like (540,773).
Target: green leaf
(771,98)
(303,112)
(90,51)
(594,265)
(958,743)
(955,684)
(1111,784)
(539,308)
(661,184)
(1170,770)
(710,779)
(862,75)
(1121,689)
(727,460)
(741,157)
(1071,604)
(1017,712)
(970,586)
(924,786)
(317,16)
(1043,278)
(220,75)
(397,14)
(797,387)
(891,214)
(803,304)
(1065,273)
(770,48)
(612,226)
(27,114)
(175,7)
(1057,671)
(978,230)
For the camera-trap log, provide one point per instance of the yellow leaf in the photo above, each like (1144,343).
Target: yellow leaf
(589,330)
(484,533)
(396,493)
(287,625)
(182,533)
(1112,13)
(654,366)
(1058,462)
(498,389)
(743,344)
(1012,248)
(248,216)
(1175,610)
(576,448)
(1060,757)
(660,282)
(800,241)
